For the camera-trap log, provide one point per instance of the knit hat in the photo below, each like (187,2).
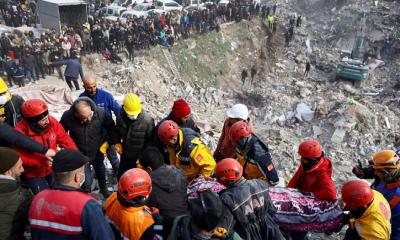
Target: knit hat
(180,109)
(8,158)
(206,210)
(68,160)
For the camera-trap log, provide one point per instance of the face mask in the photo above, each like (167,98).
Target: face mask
(83,181)
(132,117)
(3,99)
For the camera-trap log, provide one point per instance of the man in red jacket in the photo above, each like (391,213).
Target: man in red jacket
(313,175)
(45,129)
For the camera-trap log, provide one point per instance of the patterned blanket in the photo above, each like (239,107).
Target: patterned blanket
(300,211)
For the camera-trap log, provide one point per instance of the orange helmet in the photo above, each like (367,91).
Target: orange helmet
(134,183)
(34,108)
(357,193)
(228,169)
(239,130)
(386,159)
(166,130)
(310,149)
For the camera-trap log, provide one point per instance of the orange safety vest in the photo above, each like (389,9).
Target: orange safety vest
(132,222)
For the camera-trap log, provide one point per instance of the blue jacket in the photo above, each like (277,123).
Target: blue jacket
(104,100)
(93,221)
(74,68)
(391,192)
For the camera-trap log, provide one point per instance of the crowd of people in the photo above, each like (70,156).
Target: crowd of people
(169,183)
(30,56)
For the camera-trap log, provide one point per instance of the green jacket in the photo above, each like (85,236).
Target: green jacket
(14,207)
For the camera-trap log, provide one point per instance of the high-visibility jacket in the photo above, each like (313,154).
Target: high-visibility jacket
(191,155)
(375,222)
(132,222)
(58,213)
(391,192)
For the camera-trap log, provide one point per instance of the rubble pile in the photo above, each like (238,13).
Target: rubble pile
(352,123)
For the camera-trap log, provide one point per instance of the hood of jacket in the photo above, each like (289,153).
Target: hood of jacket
(166,178)
(9,190)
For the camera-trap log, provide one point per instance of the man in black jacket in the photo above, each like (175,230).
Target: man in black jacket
(85,123)
(136,129)
(169,187)
(15,199)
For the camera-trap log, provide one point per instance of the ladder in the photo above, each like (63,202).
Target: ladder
(171,64)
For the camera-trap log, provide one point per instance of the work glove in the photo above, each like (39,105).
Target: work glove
(118,148)
(104,147)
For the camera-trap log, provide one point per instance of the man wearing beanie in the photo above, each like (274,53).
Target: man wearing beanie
(66,211)
(182,115)
(15,199)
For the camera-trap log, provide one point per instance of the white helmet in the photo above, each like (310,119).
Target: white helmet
(238,111)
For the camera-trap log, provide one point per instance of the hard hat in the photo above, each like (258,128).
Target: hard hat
(228,169)
(239,130)
(134,183)
(132,105)
(33,108)
(238,111)
(310,149)
(385,159)
(3,86)
(357,193)
(166,130)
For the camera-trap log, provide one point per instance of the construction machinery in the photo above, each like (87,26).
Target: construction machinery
(352,65)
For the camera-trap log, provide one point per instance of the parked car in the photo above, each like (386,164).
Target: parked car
(111,11)
(168,5)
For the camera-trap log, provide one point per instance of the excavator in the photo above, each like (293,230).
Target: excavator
(352,65)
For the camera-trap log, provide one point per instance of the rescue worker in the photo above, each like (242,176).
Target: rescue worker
(85,123)
(369,212)
(315,172)
(72,71)
(181,113)
(105,100)
(136,129)
(386,165)
(45,129)
(253,154)
(65,211)
(15,199)
(226,148)
(11,104)
(130,217)
(249,203)
(169,186)
(186,150)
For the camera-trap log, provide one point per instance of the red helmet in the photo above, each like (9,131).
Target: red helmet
(33,108)
(228,169)
(166,130)
(357,193)
(310,149)
(239,130)
(134,183)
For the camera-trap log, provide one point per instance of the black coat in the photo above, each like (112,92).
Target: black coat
(11,137)
(169,193)
(14,208)
(13,110)
(89,137)
(136,134)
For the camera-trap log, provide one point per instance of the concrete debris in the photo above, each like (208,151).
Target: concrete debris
(304,112)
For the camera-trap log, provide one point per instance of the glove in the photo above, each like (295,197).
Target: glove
(219,232)
(118,148)
(104,147)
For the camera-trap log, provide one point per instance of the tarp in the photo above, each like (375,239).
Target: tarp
(57,98)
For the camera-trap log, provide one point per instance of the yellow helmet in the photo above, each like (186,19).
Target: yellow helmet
(3,86)
(132,105)
(385,159)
